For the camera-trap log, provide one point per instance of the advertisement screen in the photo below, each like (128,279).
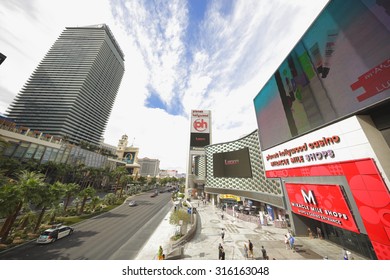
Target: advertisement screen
(235,164)
(129,157)
(340,66)
(325,203)
(200,139)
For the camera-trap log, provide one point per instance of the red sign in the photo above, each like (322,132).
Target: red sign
(200,125)
(374,81)
(325,203)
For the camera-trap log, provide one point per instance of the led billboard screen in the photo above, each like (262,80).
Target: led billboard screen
(340,66)
(235,164)
(199,139)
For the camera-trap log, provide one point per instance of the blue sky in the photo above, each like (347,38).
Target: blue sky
(179,55)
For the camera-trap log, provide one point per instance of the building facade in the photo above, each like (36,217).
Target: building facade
(25,144)
(235,173)
(129,155)
(149,167)
(324,126)
(72,91)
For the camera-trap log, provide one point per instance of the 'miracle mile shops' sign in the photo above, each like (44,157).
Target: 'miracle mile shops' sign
(325,203)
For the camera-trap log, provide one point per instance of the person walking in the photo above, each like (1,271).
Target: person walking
(309,232)
(245,251)
(319,233)
(221,252)
(223,234)
(264,253)
(287,242)
(250,247)
(160,253)
(292,241)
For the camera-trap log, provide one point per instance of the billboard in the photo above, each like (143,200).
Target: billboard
(199,139)
(325,203)
(340,66)
(235,164)
(129,157)
(200,129)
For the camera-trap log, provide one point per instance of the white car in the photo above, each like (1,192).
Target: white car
(133,203)
(52,234)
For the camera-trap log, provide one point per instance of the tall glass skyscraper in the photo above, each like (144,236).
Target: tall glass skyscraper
(72,91)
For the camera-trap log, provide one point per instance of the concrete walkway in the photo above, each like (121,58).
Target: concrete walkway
(204,246)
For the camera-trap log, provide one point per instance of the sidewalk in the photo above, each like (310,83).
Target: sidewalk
(204,246)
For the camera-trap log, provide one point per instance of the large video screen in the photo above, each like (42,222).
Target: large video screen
(339,67)
(235,164)
(200,139)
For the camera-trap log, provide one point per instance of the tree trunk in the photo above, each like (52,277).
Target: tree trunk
(11,222)
(40,217)
(5,226)
(82,205)
(66,203)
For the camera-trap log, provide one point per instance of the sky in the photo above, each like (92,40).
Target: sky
(180,55)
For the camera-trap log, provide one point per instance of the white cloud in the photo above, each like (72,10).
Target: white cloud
(236,50)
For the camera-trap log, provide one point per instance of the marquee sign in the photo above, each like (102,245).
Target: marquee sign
(200,121)
(325,203)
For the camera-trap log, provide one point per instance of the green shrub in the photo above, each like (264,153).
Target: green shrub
(178,215)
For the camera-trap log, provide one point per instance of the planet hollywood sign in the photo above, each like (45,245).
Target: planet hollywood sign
(307,152)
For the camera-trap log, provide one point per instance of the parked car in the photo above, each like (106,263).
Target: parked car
(132,203)
(52,234)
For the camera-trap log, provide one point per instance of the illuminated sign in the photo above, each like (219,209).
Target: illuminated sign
(325,203)
(200,121)
(229,196)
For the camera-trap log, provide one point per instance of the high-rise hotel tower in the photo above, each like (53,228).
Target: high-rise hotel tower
(72,91)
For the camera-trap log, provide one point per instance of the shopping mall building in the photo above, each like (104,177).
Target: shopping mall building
(324,127)
(324,135)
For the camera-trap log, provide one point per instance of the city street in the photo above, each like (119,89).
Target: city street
(118,234)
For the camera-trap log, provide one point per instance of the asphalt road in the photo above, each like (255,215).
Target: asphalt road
(115,235)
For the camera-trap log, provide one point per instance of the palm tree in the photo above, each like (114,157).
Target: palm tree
(95,202)
(27,219)
(49,196)
(69,191)
(9,201)
(25,190)
(84,195)
(119,172)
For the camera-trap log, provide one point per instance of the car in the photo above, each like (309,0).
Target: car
(52,234)
(154,194)
(132,203)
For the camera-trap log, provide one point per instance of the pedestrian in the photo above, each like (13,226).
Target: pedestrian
(292,240)
(309,232)
(245,251)
(287,241)
(220,251)
(345,254)
(264,253)
(250,246)
(223,234)
(319,233)
(222,215)
(223,254)
(160,253)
